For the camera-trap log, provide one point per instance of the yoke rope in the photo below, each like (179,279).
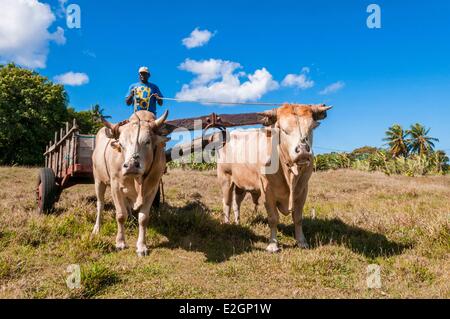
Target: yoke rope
(219,102)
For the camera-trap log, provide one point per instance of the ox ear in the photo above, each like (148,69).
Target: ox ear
(113,130)
(160,140)
(116,146)
(320,111)
(109,133)
(166,129)
(268,118)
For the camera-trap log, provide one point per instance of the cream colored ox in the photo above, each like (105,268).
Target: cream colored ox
(129,157)
(274,164)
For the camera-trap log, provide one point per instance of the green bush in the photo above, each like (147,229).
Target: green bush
(434,163)
(32,109)
(374,160)
(190,162)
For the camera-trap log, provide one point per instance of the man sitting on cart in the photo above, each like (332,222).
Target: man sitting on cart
(144,95)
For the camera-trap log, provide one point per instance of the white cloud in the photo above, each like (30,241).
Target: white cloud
(300,81)
(208,70)
(218,80)
(24,35)
(197,38)
(72,78)
(332,88)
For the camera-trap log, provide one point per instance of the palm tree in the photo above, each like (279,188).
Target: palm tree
(395,138)
(440,160)
(97,111)
(419,141)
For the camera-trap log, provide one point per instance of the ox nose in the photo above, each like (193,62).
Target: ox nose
(134,164)
(302,146)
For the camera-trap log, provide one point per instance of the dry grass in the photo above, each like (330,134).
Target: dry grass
(352,219)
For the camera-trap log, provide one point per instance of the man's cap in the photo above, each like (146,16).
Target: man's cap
(144,69)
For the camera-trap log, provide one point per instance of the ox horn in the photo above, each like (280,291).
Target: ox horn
(106,123)
(160,121)
(320,111)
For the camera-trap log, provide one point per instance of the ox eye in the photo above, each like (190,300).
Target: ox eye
(148,142)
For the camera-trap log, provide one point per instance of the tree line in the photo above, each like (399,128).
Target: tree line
(32,108)
(409,152)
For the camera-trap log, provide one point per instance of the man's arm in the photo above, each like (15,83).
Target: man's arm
(160,101)
(158,97)
(129,98)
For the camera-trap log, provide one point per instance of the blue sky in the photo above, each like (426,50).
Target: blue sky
(397,74)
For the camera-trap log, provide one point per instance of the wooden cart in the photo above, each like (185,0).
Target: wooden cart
(68,158)
(67,162)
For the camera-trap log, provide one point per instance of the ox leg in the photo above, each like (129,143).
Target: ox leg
(297,218)
(227,192)
(238,197)
(100,189)
(273,218)
(141,247)
(121,216)
(255,199)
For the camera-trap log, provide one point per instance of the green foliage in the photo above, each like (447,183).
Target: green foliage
(419,141)
(191,162)
(87,120)
(434,163)
(363,152)
(396,139)
(367,159)
(415,140)
(332,161)
(32,108)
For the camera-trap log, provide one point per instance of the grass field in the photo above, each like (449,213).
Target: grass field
(352,219)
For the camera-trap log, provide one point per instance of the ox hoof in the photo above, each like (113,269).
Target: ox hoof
(302,244)
(95,231)
(121,246)
(142,252)
(273,248)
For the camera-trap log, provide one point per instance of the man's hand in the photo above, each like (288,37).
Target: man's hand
(129,99)
(160,101)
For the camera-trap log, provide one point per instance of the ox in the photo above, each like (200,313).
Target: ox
(284,189)
(129,157)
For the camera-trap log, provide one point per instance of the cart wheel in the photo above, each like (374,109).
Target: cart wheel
(46,190)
